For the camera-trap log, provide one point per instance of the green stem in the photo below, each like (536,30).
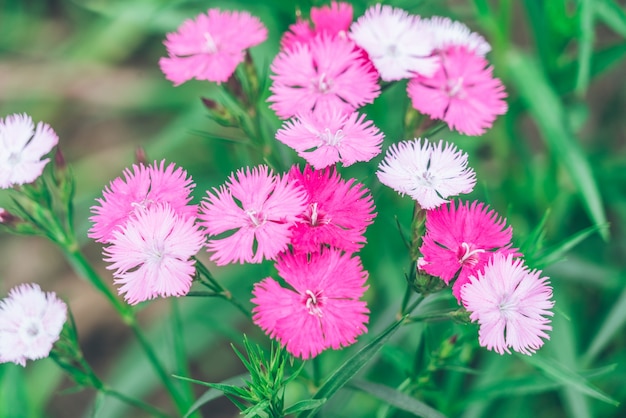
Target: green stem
(182,367)
(414,305)
(431,317)
(135,402)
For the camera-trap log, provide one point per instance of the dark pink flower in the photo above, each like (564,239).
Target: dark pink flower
(211,46)
(511,305)
(337,211)
(461,239)
(333,20)
(325,73)
(141,188)
(324,138)
(462,92)
(320,310)
(258,208)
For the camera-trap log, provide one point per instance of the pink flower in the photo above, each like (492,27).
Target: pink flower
(446,33)
(510,303)
(337,211)
(463,92)
(397,43)
(333,20)
(326,73)
(141,188)
(151,254)
(460,240)
(211,46)
(429,173)
(320,310)
(260,207)
(323,137)
(22,147)
(31,322)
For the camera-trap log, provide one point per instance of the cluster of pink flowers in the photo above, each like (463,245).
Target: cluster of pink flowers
(311,222)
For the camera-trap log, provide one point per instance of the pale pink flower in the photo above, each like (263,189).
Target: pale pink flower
(463,92)
(428,172)
(511,305)
(31,322)
(325,73)
(211,46)
(397,43)
(141,188)
(323,137)
(460,239)
(337,211)
(22,146)
(446,32)
(258,209)
(322,311)
(151,254)
(333,20)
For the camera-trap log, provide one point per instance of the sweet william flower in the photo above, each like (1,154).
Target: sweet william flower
(31,322)
(151,254)
(428,172)
(511,304)
(257,209)
(446,33)
(22,148)
(462,92)
(324,137)
(332,20)
(211,46)
(321,309)
(460,238)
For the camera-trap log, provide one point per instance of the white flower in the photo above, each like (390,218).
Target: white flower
(446,32)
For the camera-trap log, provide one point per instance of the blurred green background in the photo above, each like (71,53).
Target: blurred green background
(557,159)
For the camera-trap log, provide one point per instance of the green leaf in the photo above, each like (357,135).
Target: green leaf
(612,15)
(585,45)
(352,366)
(304,406)
(547,110)
(557,252)
(397,399)
(562,374)
(613,324)
(518,386)
(214,392)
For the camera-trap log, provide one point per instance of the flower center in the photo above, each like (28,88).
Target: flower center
(32,330)
(253,215)
(455,88)
(426,179)
(467,255)
(314,217)
(323,85)
(313,303)
(331,139)
(14,159)
(209,43)
(392,51)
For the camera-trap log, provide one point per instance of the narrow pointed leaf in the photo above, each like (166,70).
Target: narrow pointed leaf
(304,405)
(213,393)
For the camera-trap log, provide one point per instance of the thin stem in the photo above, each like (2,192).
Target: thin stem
(431,317)
(414,305)
(135,402)
(182,367)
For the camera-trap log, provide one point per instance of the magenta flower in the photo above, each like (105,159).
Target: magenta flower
(429,173)
(446,33)
(320,310)
(460,240)
(337,211)
(324,137)
(151,254)
(325,73)
(260,207)
(22,146)
(397,43)
(211,46)
(141,188)
(463,92)
(31,322)
(333,20)
(511,305)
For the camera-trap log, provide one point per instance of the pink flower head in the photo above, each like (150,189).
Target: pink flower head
(260,207)
(31,322)
(323,137)
(141,188)
(325,73)
(427,172)
(22,146)
(337,211)
(446,33)
(333,20)
(151,254)
(511,305)
(460,240)
(463,92)
(211,46)
(397,43)
(321,309)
